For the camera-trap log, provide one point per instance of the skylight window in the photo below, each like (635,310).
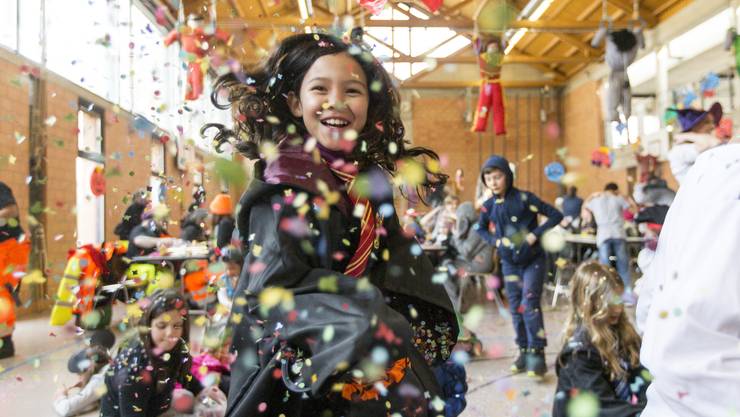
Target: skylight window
(413,41)
(450,47)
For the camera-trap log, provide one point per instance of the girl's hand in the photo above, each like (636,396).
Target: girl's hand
(215,394)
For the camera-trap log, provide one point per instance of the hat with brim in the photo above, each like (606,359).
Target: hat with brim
(689,118)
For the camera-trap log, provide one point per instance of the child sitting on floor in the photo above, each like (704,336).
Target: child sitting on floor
(90,364)
(601,353)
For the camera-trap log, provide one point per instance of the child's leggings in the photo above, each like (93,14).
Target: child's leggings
(523,284)
(490,100)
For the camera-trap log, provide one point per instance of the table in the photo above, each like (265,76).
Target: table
(434,252)
(579,240)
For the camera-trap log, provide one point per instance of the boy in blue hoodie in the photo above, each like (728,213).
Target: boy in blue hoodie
(514,215)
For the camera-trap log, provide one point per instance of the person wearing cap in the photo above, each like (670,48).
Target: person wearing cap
(151,233)
(234,259)
(90,364)
(695,137)
(223,221)
(132,216)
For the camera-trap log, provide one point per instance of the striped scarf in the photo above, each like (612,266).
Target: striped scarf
(368,235)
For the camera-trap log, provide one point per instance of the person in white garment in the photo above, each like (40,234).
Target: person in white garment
(689,306)
(694,138)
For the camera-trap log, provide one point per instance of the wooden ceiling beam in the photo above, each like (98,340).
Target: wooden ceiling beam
(455,24)
(644,12)
(458,6)
(465,84)
(508,59)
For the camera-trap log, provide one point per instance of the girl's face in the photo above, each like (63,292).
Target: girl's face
(233,269)
(333,101)
(166,330)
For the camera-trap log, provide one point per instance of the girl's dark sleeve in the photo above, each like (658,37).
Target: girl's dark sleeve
(133,395)
(554,216)
(586,374)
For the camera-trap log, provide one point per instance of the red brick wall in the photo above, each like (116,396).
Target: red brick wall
(438,123)
(583,131)
(125,152)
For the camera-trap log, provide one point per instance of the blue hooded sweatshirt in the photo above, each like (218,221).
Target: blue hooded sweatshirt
(514,215)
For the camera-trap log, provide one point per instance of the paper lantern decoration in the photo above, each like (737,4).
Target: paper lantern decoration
(97,182)
(432,5)
(554,171)
(494,16)
(373,6)
(709,85)
(602,157)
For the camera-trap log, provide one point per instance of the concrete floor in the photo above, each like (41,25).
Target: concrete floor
(29,380)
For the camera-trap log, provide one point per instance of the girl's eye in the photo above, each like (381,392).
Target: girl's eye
(318,88)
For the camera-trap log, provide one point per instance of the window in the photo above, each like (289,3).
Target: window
(416,42)
(29,43)
(84,51)
(156,181)
(9,24)
(90,208)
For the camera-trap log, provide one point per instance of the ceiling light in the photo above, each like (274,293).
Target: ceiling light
(535,15)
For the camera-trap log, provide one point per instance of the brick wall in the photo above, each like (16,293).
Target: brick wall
(127,164)
(583,132)
(439,124)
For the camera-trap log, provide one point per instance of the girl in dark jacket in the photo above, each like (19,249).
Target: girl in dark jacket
(144,374)
(601,354)
(336,311)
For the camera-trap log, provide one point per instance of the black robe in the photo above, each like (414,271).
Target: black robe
(580,369)
(397,306)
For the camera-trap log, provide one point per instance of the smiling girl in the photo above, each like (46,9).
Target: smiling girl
(336,310)
(144,374)
(601,353)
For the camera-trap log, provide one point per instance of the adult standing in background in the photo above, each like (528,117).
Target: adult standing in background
(223,223)
(132,216)
(607,209)
(572,205)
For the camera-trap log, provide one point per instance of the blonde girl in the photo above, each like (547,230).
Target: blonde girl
(601,349)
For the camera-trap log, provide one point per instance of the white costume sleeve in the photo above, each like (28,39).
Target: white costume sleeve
(690,308)
(82,401)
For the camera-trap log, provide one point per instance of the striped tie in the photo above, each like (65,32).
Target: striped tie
(357,264)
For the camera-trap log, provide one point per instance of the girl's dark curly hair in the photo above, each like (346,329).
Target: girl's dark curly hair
(261,113)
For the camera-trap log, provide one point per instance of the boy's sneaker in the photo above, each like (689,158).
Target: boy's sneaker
(536,366)
(520,365)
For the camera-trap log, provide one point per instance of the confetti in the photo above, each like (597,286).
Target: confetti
(584,404)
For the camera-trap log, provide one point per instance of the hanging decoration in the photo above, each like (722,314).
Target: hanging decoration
(196,45)
(554,171)
(432,5)
(97,182)
(732,42)
(709,84)
(489,50)
(620,52)
(688,96)
(603,156)
(494,16)
(373,6)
